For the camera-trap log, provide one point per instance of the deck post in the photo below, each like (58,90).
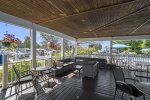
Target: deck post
(110,54)
(75,47)
(62,48)
(5,72)
(33,46)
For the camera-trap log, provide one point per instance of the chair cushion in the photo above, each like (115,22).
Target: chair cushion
(70,63)
(60,64)
(67,64)
(65,60)
(90,62)
(58,67)
(47,71)
(27,78)
(72,59)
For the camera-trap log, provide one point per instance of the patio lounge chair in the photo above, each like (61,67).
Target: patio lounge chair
(24,79)
(124,86)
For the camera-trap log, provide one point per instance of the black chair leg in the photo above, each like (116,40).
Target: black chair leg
(21,89)
(16,91)
(143,97)
(122,95)
(132,98)
(17,88)
(35,83)
(115,94)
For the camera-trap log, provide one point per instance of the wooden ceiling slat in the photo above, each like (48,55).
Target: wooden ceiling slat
(91,10)
(84,18)
(127,25)
(130,11)
(95,19)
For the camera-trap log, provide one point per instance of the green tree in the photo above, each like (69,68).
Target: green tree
(27,42)
(38,45)
(13,46)
(48,38)
(135,45)
(96,46)
(146,43)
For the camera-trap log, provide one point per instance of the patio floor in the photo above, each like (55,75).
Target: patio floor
(73,87)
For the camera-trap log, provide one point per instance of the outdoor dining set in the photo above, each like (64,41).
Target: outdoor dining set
(90,69)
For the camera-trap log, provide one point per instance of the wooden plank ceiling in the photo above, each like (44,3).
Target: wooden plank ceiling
(85,18)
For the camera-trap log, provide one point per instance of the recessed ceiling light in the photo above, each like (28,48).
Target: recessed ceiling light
(89,29)
(63,14)
(85,32)
(83,20)
(76,10)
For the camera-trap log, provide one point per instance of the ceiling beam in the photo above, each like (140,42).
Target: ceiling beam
(140,26)
(49,1)
(117,4)
(115,38)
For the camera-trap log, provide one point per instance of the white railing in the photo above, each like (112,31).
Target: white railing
(23,66)
(122,59)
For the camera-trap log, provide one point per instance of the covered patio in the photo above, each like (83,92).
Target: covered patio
(78,21)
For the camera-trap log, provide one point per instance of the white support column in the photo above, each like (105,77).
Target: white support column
(62,49)
(111,43)
(5,72)
(33,47)
(76,47)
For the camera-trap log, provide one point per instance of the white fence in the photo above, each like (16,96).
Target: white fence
(23,68)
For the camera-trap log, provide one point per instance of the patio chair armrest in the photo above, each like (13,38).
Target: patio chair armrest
(124,86)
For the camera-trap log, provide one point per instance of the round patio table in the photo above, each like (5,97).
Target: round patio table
(40,69)
(44,70)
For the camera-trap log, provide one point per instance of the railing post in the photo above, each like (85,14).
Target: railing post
(76,44)
(62,49)
(111,42)
(5,72)
(33,46)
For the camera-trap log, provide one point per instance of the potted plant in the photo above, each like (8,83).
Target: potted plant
(8,40)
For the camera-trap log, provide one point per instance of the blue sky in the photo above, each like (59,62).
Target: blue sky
(21,32)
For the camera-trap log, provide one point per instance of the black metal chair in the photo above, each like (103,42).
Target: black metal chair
(124,86)
(24,79)
(50,74)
